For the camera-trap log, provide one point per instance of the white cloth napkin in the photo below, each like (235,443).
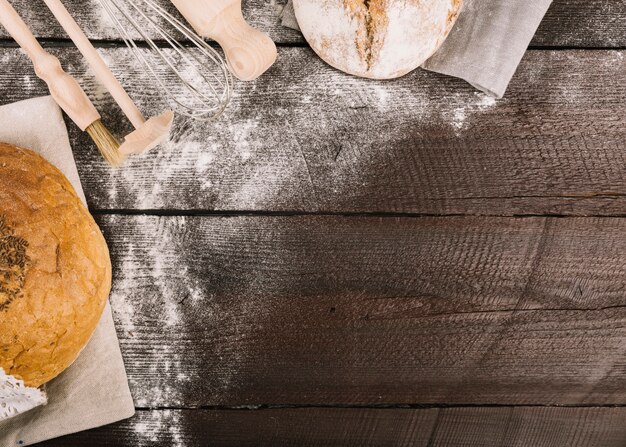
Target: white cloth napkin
(94,390)
(486,44)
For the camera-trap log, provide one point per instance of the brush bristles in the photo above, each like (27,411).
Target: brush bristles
(106,142)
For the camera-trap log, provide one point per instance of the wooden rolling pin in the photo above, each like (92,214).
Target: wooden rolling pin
(249,52)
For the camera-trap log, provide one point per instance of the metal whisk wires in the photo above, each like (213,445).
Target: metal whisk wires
(192,76)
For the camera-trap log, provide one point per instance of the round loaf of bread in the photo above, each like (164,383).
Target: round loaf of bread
(55,271)
(379,39)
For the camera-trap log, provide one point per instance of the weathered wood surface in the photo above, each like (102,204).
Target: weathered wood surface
(572,23)
(339,311)
(330,310)
(422,144)
(450,427)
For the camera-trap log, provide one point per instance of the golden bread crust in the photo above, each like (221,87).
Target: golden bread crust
(55,270)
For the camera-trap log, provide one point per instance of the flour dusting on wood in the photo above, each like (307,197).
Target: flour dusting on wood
(158,426)
(280,157)
(464,112)
(161,288)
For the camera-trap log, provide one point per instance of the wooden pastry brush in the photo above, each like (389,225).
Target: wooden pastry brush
(63,88)
(148,133)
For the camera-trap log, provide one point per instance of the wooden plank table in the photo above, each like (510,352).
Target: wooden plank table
(407,263)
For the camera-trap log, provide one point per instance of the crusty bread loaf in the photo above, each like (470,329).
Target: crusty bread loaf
(55,271)
(380,39)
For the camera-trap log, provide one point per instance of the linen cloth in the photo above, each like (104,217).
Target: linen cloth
(486,44)
(94,390)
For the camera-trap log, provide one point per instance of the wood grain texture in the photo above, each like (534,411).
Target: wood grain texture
(578,23)
(312,310)
(448,427)
(338,311)
(422,144)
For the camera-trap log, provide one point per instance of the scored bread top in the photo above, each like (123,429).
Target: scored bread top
(55,271)
(379,39)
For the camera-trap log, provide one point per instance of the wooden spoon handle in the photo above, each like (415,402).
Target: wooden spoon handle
(249,52)
(63,88)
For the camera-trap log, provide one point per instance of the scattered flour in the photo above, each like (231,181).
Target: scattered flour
(158,426)
(616,60)
(382,92)
(158,293)
(249,192)
(462,113)
(242,140)
(102,22)
(152,282)
(123,308)
(29,82)
(146,180)
(172,315)
(459,118)
(485,101)
(154,288)
(98,92)
(149,288)
(205,158)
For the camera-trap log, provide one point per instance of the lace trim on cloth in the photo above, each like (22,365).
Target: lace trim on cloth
(17,398)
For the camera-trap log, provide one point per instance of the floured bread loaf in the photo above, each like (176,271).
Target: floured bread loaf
(380,39)
(55,271)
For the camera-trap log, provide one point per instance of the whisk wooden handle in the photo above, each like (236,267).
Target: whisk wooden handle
(63,88)
(249,52)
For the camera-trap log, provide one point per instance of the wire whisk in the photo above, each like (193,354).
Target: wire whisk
(191,75)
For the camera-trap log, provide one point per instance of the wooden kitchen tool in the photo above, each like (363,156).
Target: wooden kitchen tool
(178,64)
(63,88)
(249,52)
(148,134)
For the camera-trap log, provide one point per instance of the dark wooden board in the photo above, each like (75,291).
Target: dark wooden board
(570,23)
(449,427)
(331,310)
(583,23)
(242,311)
(422,144)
